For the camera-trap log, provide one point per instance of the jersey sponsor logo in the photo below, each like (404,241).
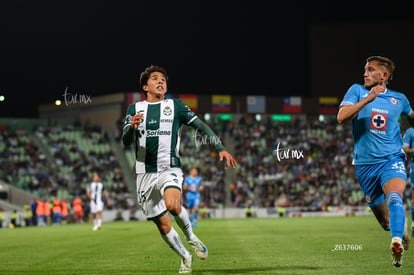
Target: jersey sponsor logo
(152,121)
(141,132)
(156,133)
(378,121)
(168,120)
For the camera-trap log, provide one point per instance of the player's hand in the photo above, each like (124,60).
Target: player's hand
(230,161)
(375,91)
(137,119)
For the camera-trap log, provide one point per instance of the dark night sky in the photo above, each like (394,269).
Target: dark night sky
(228,47)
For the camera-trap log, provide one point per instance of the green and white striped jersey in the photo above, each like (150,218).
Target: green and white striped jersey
(158,136)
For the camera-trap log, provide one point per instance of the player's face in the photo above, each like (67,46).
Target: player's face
(373,74)
(193,172)
(156,86)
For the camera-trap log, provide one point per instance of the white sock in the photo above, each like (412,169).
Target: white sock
(174,241)
(183,221)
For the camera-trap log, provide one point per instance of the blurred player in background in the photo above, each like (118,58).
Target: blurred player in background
(96,193)
(77,208)
(193,185)
(378,157)
(153,126)
(56,211)
(409,150)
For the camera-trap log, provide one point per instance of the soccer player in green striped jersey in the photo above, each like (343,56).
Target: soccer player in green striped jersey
(153,126)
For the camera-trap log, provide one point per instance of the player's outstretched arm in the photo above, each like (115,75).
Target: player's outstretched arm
(230,161)
(207,132)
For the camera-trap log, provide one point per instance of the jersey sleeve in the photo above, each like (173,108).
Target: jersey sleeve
(352,96)
(127,129)
(406,107)
(185,114)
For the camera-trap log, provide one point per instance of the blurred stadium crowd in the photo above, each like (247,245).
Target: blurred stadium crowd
(304,162)
(320,176)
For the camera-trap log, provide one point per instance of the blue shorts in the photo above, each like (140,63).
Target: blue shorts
(192,202)
(373,177)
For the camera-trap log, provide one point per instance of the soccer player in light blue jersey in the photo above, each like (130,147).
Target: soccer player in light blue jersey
(379,160)
(409,150)
(153,126)
(193,185)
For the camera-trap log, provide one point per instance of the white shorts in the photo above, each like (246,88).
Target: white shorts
(96,207)
(150,190)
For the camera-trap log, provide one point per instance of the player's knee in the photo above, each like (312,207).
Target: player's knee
(163,228)
(174,212)
(174,207)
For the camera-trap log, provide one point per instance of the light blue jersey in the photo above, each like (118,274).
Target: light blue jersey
(376,130)
(409,140)
(193,194)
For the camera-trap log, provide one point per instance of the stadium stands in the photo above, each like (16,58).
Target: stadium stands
(303,163)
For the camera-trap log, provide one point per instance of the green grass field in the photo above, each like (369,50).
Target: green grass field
(313,245)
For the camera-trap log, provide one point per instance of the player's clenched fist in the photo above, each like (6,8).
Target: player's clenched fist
(137,119)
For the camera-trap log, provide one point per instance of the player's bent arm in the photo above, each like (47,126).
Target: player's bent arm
(127,135)
(128,128)
(208,133)
(347,112)
(407,149)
